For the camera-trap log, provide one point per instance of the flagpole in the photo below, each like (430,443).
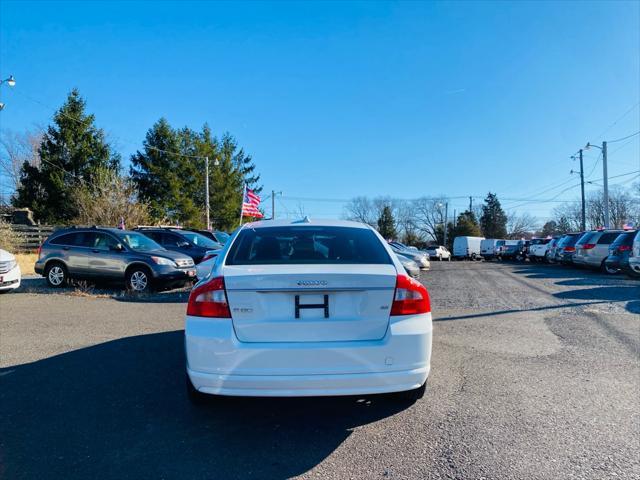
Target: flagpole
(244,193)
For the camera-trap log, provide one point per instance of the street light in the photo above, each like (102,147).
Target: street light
(605,179)
(9,81)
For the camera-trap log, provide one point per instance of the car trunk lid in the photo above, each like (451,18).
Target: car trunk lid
(310,303)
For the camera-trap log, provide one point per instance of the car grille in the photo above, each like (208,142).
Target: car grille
(185,263)
(6,266)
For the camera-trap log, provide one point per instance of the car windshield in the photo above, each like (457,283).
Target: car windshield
(307,245)
(200,240)
(222,237)
(137,241)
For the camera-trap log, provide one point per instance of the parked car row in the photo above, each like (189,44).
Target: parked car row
(608,249)
(613,251)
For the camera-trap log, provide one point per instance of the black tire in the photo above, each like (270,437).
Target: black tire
(194,396)
(414,395)
(56,274)
(139,279)
(608,270)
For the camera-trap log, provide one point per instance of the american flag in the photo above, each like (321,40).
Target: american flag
(250,204)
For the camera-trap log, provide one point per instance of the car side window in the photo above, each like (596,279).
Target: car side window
(66,239)
(104,241)
(607,238)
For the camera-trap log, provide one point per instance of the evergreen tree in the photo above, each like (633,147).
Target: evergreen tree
(549,229)
(386,224)
(467,225)
(170,174)
(72,150)
(493,221)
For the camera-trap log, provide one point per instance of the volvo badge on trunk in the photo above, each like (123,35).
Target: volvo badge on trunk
(312,283)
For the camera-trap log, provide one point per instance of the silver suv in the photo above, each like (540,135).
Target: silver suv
(593,248)
(110,254)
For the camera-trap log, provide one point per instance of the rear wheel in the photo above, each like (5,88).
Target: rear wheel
(139,280)
(610,270)
(56,274)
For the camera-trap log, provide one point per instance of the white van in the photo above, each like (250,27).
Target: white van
(467,247)
(489,247)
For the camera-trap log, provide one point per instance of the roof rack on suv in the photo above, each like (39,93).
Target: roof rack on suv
(140,227)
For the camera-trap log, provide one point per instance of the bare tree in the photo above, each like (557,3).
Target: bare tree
(110,198)
(361,209)
(519,226)
(569,216)
(16,149)
(429,213)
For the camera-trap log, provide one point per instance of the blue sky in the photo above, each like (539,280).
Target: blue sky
(336,99)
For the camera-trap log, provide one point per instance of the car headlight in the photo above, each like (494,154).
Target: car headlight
(164,261)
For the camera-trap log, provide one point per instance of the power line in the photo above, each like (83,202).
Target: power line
(624,138)
(629,110)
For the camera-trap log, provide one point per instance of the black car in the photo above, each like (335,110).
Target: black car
(215,235)
(567,248)
(619,251)
(514,251)
(110,254)
(187,242)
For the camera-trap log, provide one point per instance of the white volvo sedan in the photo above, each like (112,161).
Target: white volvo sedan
(307,308)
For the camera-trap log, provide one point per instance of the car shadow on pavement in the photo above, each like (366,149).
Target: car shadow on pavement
(616,293)
(38,285)
(557,271)
(119,410)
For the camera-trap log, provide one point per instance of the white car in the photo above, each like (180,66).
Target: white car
(634,258)
(10,275)
(307,308)
(206,264)
(439,252)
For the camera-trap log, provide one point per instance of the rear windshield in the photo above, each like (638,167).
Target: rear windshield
(624,239)
(586,237)
(307,245)
(540,241)
(200,240)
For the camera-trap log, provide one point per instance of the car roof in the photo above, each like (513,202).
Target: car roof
(304,222)
(91,229)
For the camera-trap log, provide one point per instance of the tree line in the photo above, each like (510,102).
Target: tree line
(422,221)
(72,174)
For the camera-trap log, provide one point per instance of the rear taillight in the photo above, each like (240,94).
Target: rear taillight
(209,300)
(39,251)
(411,297)
(209,256)
(588,246)
(624,248)
(569,249)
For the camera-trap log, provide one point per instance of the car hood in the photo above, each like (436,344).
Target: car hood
(168,254)
(6,256)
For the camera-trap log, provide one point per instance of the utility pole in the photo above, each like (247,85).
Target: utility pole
(454,218)
(471,204)
(584,215)
(206,191)
(605,177)
(273,203)
(446,221)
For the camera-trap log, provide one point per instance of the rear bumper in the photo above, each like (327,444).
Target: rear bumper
(217,363)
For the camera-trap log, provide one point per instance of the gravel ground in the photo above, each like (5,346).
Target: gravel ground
(535,375)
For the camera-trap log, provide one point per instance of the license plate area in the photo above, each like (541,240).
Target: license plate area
(311,306)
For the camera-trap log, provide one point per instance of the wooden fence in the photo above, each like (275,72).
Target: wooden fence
(32,236)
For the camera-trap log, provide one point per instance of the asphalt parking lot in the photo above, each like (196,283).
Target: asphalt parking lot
(535,374)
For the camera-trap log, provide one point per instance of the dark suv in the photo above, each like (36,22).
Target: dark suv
(187,242)
(98,253)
